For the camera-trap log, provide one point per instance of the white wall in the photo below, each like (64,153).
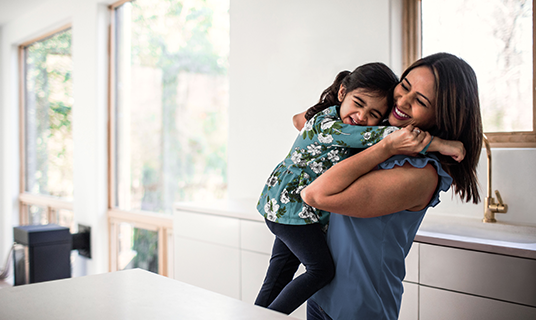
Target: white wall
(283,54)
(89,20)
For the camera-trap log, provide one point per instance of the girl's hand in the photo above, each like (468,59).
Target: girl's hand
(454,149)
(408,141)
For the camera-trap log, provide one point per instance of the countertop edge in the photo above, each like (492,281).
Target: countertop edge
(245,209)
(480,247)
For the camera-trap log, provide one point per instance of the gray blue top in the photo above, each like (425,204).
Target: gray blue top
(323,141)
(369,255)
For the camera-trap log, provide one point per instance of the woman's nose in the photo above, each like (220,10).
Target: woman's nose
(403,100)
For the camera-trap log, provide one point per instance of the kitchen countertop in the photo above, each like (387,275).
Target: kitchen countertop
(444,230)
(130,294)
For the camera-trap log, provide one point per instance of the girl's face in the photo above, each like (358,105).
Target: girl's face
(414,100)
(361,108)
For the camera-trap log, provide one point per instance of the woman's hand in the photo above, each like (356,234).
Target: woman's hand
(407,141)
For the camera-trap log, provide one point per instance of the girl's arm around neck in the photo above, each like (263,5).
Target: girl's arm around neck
(352,187)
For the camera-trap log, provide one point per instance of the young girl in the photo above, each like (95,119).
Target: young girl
(335,125)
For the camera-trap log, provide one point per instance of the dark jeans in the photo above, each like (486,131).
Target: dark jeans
(314,312)
(294,244)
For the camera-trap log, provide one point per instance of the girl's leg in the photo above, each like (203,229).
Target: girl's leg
(308,244)
(283,266)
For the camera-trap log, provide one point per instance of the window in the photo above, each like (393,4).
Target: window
(496,38)
(46,192)
(169,101)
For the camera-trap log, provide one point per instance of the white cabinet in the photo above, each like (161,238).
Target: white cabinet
(450,283)
(227,254)
(207,252)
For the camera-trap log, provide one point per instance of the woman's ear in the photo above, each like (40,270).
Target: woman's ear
(342,93)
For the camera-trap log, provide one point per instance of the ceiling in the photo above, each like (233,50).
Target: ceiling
(10,9)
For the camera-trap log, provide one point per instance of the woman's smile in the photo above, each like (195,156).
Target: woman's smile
(399,114)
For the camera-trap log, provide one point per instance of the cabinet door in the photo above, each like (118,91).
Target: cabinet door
(483,274)
(210,266)
(254,267)
(441,304)
(208,228)
(255,236)
(409,308)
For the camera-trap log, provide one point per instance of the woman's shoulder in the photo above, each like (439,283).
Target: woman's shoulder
(432,170)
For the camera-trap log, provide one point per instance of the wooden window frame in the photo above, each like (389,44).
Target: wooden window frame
(411,38)
(161,223)
(51,204)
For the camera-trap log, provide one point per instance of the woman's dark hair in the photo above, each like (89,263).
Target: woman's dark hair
(457,117)
(375,77)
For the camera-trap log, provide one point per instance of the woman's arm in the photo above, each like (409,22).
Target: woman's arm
(354,188)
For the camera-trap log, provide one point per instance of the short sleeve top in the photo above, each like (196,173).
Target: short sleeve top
(369,255)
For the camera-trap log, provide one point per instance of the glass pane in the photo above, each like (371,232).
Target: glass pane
(65,218)
(48,104)
(171,102)
(495,38)
(37,215)
(138,248)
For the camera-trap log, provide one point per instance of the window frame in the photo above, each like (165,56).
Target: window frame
(161,223)
(411,43)
(26,199)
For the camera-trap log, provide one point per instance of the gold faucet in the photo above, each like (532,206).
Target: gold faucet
(490,207)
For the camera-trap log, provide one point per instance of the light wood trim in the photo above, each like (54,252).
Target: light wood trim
(111,113)
(23,209)
(118,4)
(161,223)
(411,32)
(144,218)
(45,201)
(412,45)
(46,35)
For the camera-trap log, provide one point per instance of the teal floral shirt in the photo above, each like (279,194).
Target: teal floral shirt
(324,141)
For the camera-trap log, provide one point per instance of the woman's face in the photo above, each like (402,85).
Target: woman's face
(414,100)
(361,108)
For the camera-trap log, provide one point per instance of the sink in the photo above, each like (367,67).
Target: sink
(474,230)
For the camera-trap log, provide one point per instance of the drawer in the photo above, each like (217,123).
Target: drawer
(412,264)
(255,236)
(440,304)
(208,228)
(483,274)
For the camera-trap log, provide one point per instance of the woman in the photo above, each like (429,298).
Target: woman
(378,212)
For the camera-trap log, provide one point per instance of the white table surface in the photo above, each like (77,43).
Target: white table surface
(130,294)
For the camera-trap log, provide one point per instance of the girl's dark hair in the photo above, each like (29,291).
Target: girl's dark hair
(457,117)
(375,77)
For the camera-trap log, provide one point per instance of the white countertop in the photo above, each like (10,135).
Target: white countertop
(452,231)
(130,294)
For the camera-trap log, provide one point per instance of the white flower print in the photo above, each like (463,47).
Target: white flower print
(272,181)
(308,126)
(325,138)
(316,167)
(389,130)
(333,156)
(271,208)
(308,212)
(284,197)
(327,123)
(296,157)
(314,149)
(367,135)
(326,111)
